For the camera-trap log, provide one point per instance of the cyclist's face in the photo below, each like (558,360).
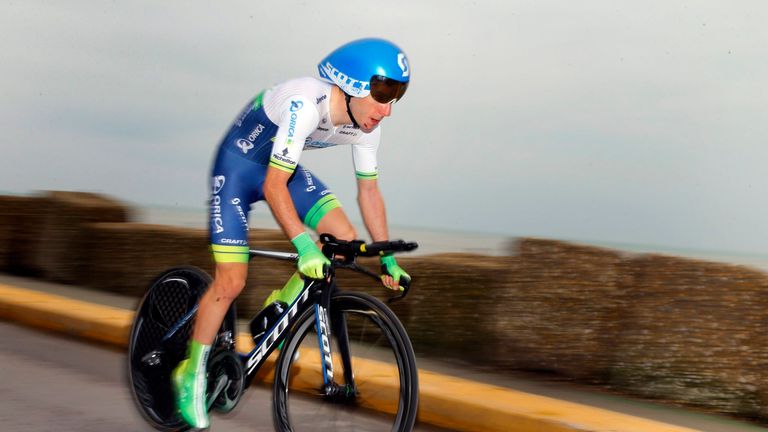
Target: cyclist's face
(369,113)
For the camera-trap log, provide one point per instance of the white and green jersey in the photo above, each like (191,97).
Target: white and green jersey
(294,116)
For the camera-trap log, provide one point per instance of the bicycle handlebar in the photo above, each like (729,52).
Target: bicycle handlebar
(350,249)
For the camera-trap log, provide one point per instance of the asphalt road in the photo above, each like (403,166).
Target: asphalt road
(52,382)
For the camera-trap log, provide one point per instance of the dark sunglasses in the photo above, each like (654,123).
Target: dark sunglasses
(386,90)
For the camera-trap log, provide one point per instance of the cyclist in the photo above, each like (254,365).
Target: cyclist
(258,160)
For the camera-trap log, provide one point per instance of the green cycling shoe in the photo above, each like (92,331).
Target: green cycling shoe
(189,382)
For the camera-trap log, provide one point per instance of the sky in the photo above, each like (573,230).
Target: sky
(604,121)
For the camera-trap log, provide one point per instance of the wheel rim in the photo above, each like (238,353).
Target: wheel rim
(379,376)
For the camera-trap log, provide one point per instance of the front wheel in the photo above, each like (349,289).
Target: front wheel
(375,380)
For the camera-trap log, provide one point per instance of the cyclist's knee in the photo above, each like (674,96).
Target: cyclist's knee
(346,233)
(229,281)
(227,290)
(336,223)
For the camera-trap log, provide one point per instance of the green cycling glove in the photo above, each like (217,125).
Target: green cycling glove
(311,260)
(389,267)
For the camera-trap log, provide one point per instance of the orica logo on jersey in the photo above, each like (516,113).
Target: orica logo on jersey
(244,145)
(296,105)
(218,183)
(256,132)
(247,144)
(217,222)
(350,84)
(292,125)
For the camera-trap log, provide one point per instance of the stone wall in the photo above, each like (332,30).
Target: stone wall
(63,250)
(693,332)
(662,327)
(20,220)
(558,309)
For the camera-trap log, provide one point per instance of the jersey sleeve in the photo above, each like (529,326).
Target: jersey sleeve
(298,118)
(364,155)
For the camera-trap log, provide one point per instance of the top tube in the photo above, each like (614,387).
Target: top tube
(285,256)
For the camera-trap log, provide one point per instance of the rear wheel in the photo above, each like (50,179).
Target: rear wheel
(158,342)
(375,387)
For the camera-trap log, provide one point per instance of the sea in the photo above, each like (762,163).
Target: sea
(435,241)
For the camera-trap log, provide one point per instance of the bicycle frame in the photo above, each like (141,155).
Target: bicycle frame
(156,337)
(253,360)
(312,289)
(320,291)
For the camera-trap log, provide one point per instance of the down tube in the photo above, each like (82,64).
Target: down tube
(323,339)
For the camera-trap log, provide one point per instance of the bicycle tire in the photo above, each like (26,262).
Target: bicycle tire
(397,392)
(170,297)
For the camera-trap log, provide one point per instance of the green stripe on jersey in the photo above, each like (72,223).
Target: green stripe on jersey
(257,101)
(281,165)
(321,207)
(367,175)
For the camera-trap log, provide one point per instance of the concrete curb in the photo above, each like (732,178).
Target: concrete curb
(444,400)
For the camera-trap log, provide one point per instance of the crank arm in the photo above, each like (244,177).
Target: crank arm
(221,384)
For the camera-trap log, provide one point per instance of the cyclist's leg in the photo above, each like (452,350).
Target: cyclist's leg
(228,283)
(189,375)
(315,203)
(231,194)
(235,186)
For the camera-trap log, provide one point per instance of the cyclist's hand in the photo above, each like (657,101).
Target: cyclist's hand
(311,260)
(393,273)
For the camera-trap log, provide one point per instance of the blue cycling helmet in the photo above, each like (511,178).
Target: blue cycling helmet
(368,66)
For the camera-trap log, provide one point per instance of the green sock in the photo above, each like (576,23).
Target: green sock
(289,292)
(190,382)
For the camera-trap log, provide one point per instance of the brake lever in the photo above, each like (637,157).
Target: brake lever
(406,285)
(377,277)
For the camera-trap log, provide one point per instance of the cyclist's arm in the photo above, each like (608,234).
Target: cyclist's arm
(280,202)
(298,118)
(372,204)
(372,209)
(368,194)
(375,218)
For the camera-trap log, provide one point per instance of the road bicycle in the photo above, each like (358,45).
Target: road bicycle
(340,353)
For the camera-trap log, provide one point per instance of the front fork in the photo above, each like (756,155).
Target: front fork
(323,326)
